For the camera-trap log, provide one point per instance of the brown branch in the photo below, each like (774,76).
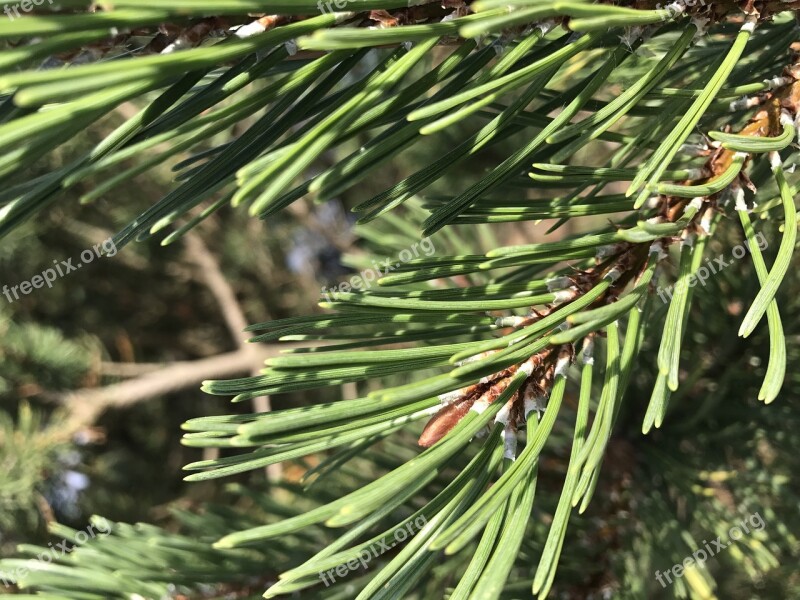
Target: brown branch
(128,369)
(211,275)
(86,405)
(235,319)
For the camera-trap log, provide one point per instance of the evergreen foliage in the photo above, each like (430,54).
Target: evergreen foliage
(28,454)
(655,140)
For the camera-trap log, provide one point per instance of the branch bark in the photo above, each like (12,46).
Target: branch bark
(86,405)
(235,319)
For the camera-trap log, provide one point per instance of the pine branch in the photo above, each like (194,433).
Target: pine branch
(474,337)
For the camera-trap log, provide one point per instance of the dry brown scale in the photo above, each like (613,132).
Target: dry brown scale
(621,263)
